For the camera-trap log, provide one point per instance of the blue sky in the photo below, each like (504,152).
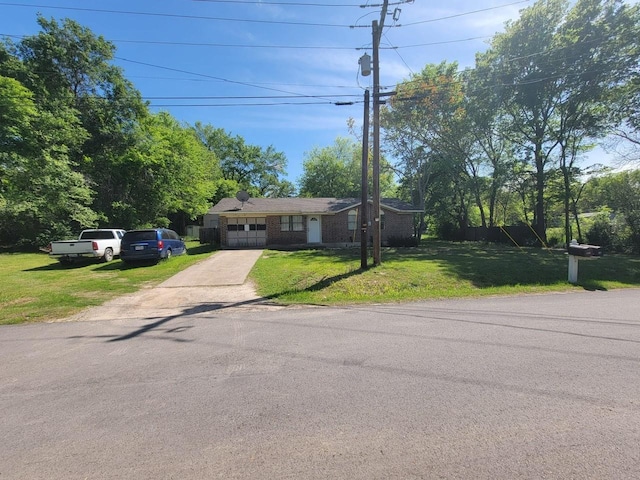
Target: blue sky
(271,71)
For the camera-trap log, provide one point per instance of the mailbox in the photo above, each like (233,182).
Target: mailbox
(577,251)
(584,250)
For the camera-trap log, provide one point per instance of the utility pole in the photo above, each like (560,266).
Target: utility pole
(377,35)
(364,203)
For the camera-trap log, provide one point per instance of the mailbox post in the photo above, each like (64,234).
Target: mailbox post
(580,252)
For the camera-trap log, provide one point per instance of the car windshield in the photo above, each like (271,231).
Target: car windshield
(139,236)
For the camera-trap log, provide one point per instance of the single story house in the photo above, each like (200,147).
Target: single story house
(273,222)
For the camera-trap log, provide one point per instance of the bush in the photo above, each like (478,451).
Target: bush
(601,232)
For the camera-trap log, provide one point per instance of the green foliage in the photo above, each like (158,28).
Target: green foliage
(168,171)
(336,171)
(620,192)
(502,142)
(601,232)
(252,168)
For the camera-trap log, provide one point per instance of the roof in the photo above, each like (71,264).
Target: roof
(300,206)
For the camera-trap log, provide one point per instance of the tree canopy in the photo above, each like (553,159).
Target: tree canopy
(80,148)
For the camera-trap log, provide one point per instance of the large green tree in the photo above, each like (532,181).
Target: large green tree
(68,66)
(555,69)
(336,171)
(169,173)
(422,127)
(247,167)
(41,195)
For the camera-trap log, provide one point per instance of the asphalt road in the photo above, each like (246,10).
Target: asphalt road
(540,386)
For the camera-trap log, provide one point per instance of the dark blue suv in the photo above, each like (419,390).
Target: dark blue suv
(150,244)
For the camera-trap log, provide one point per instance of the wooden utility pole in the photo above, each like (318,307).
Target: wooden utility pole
(377,34)
(364,217)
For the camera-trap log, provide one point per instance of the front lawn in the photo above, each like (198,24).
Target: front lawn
(434,270)
(36,288)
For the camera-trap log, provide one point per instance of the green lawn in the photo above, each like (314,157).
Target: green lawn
(435,270)
(36,288)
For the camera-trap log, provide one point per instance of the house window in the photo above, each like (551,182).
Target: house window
(352,220)
(381,220)
(291,223)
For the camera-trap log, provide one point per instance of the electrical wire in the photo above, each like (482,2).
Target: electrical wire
(226,80)
(283,47)
(173,15)
(421,22)
(301,4)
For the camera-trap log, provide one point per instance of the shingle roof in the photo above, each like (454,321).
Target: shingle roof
(300,206)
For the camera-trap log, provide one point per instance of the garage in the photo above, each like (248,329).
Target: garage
(246,231)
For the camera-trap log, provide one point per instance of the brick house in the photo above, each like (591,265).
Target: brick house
(273,222)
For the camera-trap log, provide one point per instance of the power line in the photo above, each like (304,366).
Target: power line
(294,4)
(291,4)
(284,47)
(463,14)
(227,97)
(270,104)
(226,80)
(173,15)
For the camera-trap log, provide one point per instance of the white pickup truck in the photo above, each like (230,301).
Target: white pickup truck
(102,243)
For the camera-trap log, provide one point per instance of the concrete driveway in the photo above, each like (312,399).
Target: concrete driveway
(218,282)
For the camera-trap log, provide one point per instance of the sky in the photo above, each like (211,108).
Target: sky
(275,72)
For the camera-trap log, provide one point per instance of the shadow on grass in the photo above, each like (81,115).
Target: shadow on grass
(202,249)
(120,265)
(492,265)
(487,266)
(321,284)
(63,266)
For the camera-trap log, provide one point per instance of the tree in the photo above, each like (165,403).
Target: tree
(598,44)
(421,127)
(169,172)
(620,192)
(252,168)
(69,66)
(41,196)
(555,70)
(520,64)
(336,171)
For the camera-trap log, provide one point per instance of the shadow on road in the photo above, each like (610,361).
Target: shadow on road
(202,308)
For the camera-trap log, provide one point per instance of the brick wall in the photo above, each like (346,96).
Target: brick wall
(398,226)
(335,229)
(277,237)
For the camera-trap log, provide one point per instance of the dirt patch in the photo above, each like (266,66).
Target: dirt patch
(176,301)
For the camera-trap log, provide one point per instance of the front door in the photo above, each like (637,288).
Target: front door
(314,229)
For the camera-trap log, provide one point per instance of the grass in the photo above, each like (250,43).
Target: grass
(39,289)
(435,270)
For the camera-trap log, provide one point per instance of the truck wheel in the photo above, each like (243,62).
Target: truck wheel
(108,255)
(168,255)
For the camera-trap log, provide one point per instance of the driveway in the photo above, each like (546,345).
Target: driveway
(218,282)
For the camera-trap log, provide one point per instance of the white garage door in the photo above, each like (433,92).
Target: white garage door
(247,232)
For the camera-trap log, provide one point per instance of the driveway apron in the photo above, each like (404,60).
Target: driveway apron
(219,282)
